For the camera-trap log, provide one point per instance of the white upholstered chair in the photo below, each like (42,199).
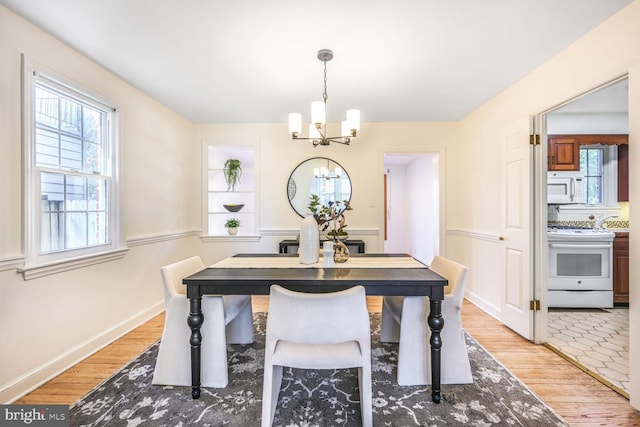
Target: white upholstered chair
(227,319)
(404,320)
(316,331)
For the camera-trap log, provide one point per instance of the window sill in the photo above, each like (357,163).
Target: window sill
(36,271)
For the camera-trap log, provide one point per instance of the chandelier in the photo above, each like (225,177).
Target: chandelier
(318,125)
(325,173)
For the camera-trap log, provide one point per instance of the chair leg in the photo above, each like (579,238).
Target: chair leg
(414,350)
(240,329)
(366,398)
(272,382)
(389,328)
(215,372)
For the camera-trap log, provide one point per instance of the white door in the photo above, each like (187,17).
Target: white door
(517,227)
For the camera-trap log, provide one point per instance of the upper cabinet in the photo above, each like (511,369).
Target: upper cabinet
(563,153)
(623,173)
(564,150)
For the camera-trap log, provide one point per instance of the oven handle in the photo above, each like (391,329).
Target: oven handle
(580,246)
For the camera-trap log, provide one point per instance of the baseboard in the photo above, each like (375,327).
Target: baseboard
(484,305)
(37,377)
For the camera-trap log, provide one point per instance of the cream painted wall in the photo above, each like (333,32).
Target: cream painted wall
(278,155)
(609,51)
(47,324)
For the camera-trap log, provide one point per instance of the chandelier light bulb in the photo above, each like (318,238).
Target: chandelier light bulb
(295,124)
(318,113)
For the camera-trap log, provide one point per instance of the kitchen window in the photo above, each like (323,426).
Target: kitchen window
(598,163)
(70,174)
(591,164)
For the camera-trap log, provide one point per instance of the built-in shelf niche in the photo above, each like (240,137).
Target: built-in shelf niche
(244,192)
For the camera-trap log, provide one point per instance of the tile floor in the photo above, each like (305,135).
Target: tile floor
(598,339)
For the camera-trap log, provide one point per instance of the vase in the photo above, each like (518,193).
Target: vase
(309,248)
(232,231)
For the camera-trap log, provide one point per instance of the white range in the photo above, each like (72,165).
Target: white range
(580,267)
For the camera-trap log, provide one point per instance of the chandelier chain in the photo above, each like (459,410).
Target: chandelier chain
(324,94)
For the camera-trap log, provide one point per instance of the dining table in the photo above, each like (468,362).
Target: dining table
(379,274)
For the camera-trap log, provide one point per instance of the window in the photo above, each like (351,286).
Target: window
(599,164)
(591,164)
(70,166)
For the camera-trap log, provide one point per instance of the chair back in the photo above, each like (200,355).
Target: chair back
(455,273)
(318,318)
(173,274)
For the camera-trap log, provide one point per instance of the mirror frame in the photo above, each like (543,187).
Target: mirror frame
(294,187)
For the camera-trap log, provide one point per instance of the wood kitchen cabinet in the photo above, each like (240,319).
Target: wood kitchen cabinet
(621,268)
(564,150)
(623,173)
(563,153)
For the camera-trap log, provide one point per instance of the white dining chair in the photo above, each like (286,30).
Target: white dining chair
(404,320)
(316,331)
(227,319)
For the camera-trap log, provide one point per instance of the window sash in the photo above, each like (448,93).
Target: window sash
(70,157)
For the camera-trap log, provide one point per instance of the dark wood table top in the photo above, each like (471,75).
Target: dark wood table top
(378,280)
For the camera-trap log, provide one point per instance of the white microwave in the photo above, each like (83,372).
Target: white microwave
(565,187)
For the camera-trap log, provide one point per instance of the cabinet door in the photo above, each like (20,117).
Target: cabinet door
(623,173)
(564,153)
(621,269)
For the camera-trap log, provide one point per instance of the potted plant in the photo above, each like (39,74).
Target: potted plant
(232,225)
(232,173)
(330,217)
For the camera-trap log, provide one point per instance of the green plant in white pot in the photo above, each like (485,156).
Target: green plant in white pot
(232,225)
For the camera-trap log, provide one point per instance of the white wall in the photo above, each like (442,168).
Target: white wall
(397,215)
(422,176)
(413,210)
(49,323)
(607,52)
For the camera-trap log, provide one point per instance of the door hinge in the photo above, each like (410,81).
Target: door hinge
(534,305)
(534,139)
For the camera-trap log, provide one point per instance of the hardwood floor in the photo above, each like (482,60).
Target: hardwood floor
(576,396)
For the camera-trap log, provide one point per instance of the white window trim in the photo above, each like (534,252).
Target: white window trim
(609,205)
(35,264)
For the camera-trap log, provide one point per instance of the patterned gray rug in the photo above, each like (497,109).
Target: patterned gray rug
(313,398)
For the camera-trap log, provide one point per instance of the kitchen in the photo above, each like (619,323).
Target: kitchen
(587,234)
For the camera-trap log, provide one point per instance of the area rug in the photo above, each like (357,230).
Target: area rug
(309,398)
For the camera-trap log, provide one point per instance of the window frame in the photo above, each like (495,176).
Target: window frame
(37,263)
(609,175)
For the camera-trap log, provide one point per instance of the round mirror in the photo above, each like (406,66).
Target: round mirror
(321,176)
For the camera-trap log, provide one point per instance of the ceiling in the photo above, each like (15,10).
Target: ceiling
(248,61)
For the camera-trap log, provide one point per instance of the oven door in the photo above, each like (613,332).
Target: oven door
(580,266)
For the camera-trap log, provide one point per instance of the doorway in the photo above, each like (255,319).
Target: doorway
(592,337)
(411,208)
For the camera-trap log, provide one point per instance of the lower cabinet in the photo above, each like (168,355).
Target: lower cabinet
(621,268)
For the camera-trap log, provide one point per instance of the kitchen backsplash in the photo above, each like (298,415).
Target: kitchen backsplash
(587,216)
(614,224)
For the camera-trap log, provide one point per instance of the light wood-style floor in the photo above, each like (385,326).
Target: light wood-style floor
(580,399)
